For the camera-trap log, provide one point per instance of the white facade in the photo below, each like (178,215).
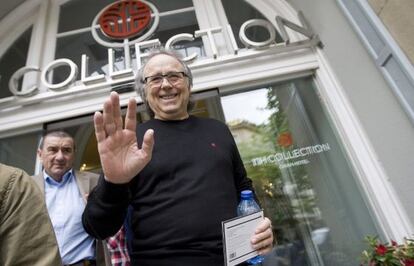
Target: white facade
(382,116)
(370,123)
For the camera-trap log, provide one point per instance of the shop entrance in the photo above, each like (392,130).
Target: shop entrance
(303,179)
(296,161)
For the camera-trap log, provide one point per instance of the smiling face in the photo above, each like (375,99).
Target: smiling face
(57,156)
(168,101)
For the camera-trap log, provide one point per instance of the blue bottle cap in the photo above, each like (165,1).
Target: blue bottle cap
(246,194)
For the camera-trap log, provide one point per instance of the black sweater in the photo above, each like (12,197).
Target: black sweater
(179,199)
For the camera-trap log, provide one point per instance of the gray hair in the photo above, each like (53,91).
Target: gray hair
(140,83)
(56,133)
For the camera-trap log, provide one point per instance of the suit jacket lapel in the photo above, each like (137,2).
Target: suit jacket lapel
(83,184)
(40,181)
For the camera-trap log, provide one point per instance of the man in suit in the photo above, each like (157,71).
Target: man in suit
(26,236)
(66,192)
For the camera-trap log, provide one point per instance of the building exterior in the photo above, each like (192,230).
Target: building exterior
(324,88)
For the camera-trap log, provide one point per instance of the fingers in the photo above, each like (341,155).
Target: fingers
(99,128)
(262,241)
(131,115)
(265,250)
(263,225)
(108,117)
(108,123)
(264,246)
(148,143)
(116,110)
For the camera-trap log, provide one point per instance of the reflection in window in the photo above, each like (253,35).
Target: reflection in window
(85,11)
(73,46)
(20,151)
(300,174)
(13,59)
(185,22)
(244,13)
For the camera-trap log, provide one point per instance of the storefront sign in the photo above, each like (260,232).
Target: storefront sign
(138,25)
(287,158)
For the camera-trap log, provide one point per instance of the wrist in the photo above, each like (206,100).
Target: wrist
(116,181)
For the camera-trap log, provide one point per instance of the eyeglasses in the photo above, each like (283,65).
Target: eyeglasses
(172,77)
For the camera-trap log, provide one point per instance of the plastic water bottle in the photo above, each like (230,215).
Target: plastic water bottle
(246,206)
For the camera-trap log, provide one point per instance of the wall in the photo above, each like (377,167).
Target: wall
(397,18)
(384,121)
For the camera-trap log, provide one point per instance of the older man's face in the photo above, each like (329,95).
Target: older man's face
(57,156)
(168,98)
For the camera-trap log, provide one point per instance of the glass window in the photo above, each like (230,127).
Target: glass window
(175,17)
(300,174)
(86,10)
(244,13)
(20,151)
(14,58)
(173,24)
(73,46)
(163,5)
(83,11)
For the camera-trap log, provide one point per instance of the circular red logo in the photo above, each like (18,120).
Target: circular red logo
(125,19)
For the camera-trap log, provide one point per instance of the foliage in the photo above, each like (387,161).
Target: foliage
(388,254)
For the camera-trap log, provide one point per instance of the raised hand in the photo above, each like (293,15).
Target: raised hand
(118,149)
(262,240)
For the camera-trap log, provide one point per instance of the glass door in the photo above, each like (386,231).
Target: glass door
(300,174)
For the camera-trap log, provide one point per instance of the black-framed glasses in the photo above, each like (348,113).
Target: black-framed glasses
(172,77)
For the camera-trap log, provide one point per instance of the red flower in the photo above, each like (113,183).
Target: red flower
(381,249)
(393,243)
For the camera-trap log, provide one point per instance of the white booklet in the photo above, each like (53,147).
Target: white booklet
(237,233)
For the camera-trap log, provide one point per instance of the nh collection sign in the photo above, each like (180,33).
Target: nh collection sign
(134,22)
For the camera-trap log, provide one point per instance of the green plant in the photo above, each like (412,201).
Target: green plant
(388,254)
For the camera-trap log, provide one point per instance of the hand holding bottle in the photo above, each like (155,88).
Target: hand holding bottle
(262,240)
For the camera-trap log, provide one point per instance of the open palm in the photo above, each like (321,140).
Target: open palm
(121,158)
